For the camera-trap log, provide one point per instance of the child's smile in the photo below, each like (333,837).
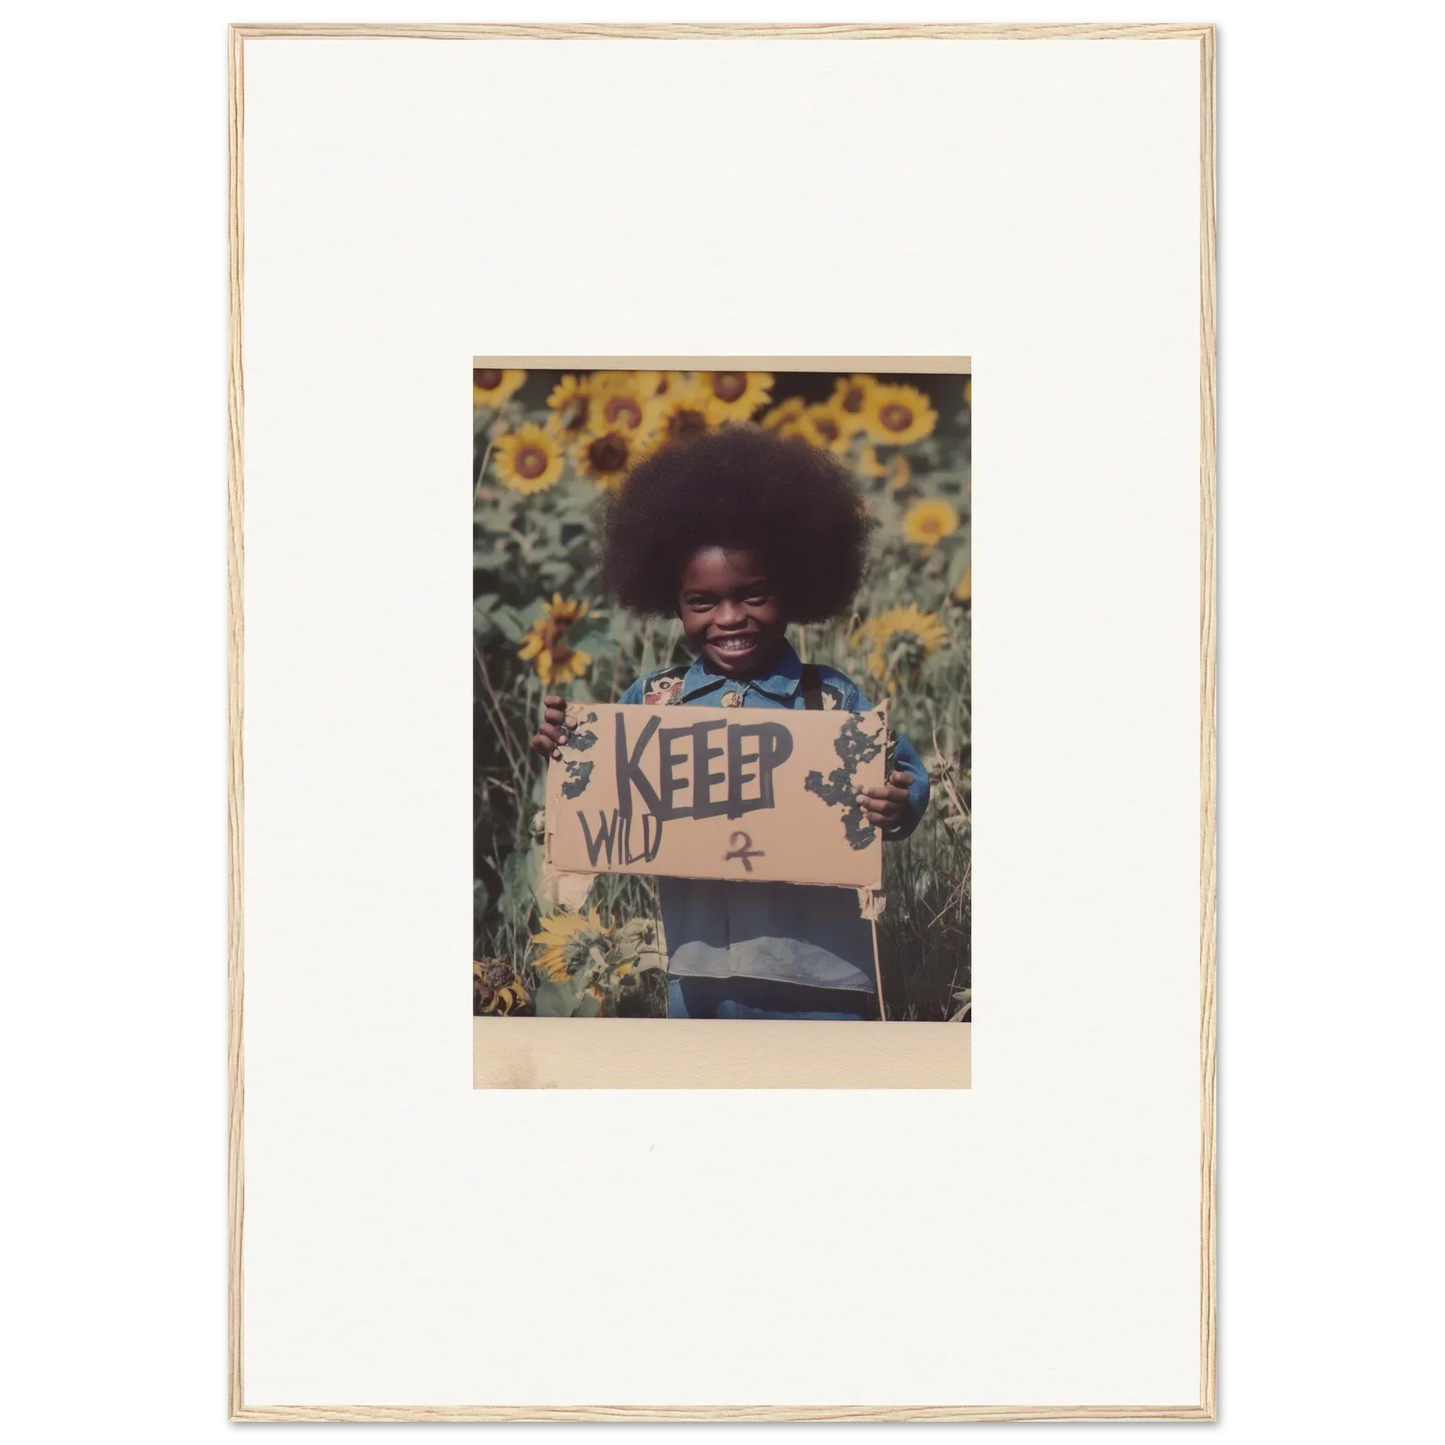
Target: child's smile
(730,612)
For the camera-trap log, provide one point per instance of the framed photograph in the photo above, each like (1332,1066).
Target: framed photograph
(802,1079)
(721,868)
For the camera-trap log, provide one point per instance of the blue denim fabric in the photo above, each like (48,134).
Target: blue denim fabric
(786,933)
(759,998)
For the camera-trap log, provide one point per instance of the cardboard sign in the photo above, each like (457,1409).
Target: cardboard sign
(751,794)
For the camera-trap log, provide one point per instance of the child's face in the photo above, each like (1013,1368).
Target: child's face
(730,612)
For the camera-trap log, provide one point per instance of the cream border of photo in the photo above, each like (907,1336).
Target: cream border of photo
(1205,1406)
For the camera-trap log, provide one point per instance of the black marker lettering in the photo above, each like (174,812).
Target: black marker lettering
(668,761)
(703,805)
(775,747)
(606,836)
(629,770)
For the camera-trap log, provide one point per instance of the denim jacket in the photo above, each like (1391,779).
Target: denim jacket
(787,932)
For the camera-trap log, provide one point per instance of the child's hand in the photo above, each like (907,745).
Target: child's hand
(549,734)
(886,807)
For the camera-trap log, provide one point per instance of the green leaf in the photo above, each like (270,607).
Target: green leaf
(557,1001)
(958,565)
(588,1008)
(509,624)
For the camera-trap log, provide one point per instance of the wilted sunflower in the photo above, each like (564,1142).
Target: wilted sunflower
(571,405)
(785,412)
(898,641)
(567,940)
(898,414)
(680,413)
(496,989)
(929,522)
(851,395)
(900,473)
(604,454)
(528,459)
(822,425)
(735,395)
(493,387)
(545,642)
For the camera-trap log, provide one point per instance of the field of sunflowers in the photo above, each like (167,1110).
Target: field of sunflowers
(547,446)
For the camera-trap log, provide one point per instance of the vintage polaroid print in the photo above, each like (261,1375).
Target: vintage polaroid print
(721,657)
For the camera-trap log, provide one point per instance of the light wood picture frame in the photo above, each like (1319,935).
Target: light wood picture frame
(1200,36)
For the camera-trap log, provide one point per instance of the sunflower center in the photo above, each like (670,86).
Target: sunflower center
(853,399)
(896,417)
(729,385)
(686,422)
(623,409)
(554,631)
(827,428)
(608,454)
(487,380)
(530,462)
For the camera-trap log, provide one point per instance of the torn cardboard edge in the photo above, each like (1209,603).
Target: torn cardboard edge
(570,890)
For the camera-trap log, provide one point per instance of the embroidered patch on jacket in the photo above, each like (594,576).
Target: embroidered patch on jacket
(663,692)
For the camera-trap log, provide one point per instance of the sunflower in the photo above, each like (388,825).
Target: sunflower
(567,941)
(851,395)
(898,414)
(784,413)
(735,395)
(492,387)
(963,592)
(900,473)
(899,640)
(623,402)
(571,406)
(604,454)
(929,522)
(528,459)
(666,382)
(545,642)
(496,989)
(824,426)
(680,413)
(650,383)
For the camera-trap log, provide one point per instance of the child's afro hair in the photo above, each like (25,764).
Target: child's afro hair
(794,504)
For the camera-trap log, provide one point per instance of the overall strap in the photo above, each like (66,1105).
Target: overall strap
(811,686)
